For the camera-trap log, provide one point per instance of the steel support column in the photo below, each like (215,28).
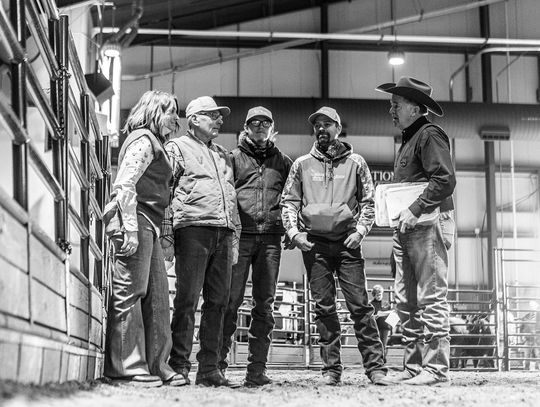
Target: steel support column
(58,158)
(489,153)
(85,201)
(324,53)
(18,103)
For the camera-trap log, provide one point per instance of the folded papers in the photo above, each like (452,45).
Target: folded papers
(391,199)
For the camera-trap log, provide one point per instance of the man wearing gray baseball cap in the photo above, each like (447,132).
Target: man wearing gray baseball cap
(328,209)
(206,233)
(260,172)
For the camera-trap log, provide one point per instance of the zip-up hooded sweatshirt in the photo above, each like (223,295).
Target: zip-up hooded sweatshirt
(329,196)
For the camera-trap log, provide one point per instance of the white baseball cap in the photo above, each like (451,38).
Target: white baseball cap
(205,104)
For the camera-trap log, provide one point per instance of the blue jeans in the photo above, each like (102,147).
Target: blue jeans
(138,337)
(203,261)
(325,259)
(263,254)
(421,290)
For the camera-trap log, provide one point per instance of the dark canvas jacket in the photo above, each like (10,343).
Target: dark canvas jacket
(259,177)
(425,156)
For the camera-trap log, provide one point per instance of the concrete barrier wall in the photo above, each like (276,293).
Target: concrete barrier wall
(51,318)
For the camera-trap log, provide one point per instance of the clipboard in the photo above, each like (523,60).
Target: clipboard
(391,199)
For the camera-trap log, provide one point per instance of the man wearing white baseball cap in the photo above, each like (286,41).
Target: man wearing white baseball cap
(206,233)
(328,209)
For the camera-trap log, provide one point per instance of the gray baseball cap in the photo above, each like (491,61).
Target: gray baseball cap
(259,111)
(326,111)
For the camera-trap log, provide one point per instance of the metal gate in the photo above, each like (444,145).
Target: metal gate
(519,304)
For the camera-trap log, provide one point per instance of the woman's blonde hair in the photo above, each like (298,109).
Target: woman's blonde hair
(149,111)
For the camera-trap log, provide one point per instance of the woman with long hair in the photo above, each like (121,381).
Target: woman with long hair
(138,338)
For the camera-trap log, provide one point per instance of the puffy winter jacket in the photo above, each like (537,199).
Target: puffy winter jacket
(328,197)
(204,193)
(259,176)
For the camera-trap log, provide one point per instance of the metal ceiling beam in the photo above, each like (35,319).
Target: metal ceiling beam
(512,45)
(301,39)
(315,37)
(166,33)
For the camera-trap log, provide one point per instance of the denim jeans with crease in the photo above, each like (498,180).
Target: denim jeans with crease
(421,290)
(261,252)
(138,337)
(326,259)
(203,262)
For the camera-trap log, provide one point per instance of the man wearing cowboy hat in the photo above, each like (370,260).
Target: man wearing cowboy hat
(206,228)
(328,209)
(420,251)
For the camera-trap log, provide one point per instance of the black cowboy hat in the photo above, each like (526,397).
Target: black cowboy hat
(414,90)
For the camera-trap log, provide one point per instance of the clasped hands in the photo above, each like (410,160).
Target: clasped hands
(301,241)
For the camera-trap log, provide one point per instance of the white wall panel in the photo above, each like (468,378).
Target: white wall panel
(211,80)
(470,152)
(521,266)
(360,13)
(287,73)
(137,60)
(375,150)
(508,74)
(471,202)
(356,74)
(301,21)
(517,17)
(132,91)
(471,269)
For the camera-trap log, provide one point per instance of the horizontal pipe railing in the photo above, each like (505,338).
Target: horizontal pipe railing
(94,205)
(42,104)
(40,35)
(76,114)
(51,183)
(76,68)
(12,122)
(77,169)
(83,86)
(84,232)
(18,55)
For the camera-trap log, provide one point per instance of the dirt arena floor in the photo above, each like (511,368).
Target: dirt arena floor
(292,388)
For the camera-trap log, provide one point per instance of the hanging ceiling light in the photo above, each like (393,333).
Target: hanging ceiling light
(111,49)
(396,57)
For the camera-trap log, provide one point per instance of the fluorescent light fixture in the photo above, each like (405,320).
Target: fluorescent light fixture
(111,49)
(396,58)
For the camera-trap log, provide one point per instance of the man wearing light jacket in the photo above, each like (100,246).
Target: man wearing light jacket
(206,231)
(327,209)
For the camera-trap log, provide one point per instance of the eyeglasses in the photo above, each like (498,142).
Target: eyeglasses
(257,123)
(214,115)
